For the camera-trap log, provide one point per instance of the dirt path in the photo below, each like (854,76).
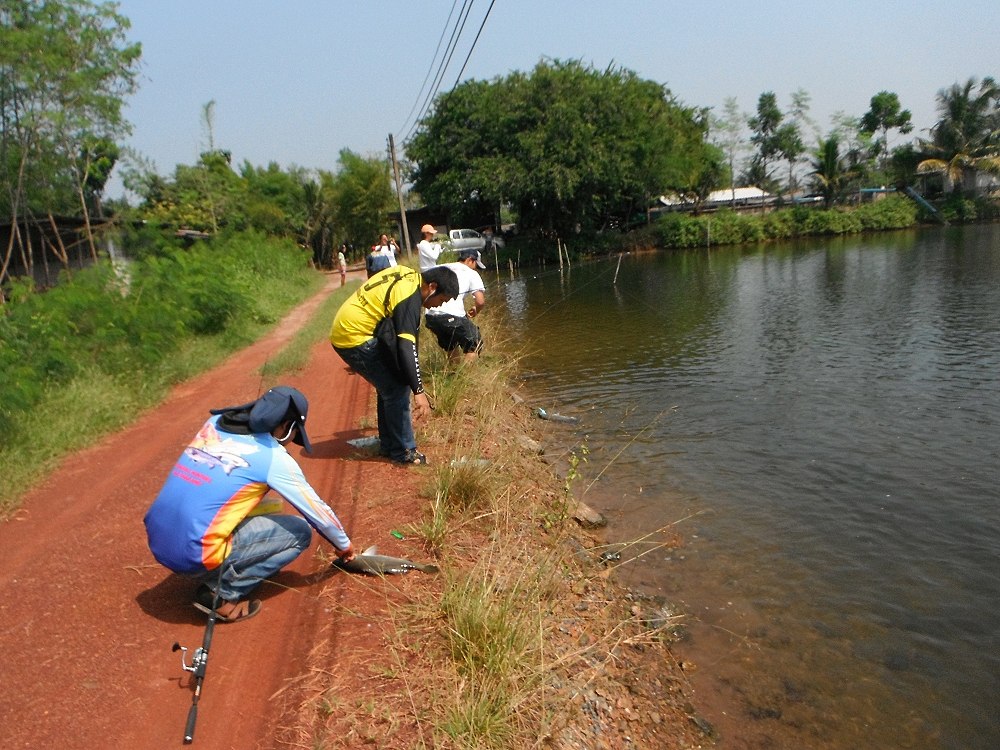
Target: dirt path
(88,618)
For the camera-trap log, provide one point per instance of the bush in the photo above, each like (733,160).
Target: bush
(957,209)
(680,231)
(729,228)
(95,321)
(781,225)
(892,212)
(830,221)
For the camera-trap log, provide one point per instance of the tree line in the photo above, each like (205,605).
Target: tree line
(562,149)
(964,142)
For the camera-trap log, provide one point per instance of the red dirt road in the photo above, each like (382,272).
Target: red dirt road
(87,617)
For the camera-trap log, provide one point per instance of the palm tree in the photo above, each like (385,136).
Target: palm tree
(829,172)
(966,140)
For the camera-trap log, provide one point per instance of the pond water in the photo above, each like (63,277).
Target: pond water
(820,423)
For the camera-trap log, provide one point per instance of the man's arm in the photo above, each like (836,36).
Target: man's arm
(286,478)
(478,303)
(406,318)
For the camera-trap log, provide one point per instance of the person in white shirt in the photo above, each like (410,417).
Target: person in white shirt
(428,250)
(450,323)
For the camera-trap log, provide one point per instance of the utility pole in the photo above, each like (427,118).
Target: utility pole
(399,194)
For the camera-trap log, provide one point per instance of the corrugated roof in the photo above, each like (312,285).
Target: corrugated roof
(720,196)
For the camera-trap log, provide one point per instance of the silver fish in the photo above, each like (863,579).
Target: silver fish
(371,563)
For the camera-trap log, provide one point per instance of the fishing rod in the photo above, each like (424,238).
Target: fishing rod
(199,660)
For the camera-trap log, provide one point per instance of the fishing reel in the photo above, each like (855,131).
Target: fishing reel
(198,660)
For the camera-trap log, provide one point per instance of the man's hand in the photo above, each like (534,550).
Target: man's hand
(345,555)
(421,407)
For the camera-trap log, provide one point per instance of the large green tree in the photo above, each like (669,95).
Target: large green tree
(885,114)
(765,125)
(65,71)
(966,138)
(774,135)
(570,148)
(361,198)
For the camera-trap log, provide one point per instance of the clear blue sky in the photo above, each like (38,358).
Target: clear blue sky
(296,81)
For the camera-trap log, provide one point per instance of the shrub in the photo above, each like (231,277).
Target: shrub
(95,322)
(957,209)
(729,228)
(892,212)
(679,230)
(780,225)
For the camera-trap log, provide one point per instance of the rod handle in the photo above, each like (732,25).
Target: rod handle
(189,727)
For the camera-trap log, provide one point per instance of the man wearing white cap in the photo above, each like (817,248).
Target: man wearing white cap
(208,521)
(427,249)
(450,323)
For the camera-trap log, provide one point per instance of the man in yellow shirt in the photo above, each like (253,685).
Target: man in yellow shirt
(397,293)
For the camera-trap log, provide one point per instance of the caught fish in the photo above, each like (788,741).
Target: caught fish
(371,563)
(553,417)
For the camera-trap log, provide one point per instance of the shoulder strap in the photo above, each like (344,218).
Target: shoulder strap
(388,291)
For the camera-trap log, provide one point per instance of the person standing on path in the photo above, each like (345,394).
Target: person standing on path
(342,263)
(397,294)
(449,322)
(428,251)
(208,521)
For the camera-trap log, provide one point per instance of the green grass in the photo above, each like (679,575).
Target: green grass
(72,415)
(296,354)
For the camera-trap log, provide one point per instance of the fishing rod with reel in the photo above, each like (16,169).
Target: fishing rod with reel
(199,660)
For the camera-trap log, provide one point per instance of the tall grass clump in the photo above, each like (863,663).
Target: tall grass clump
(491,627)
(90,354)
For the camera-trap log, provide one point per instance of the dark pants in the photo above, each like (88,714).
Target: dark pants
(453,332)
(395,424)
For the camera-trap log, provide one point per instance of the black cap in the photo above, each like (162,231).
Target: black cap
(278,405)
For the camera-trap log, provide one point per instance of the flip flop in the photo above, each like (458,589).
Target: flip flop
(241,610)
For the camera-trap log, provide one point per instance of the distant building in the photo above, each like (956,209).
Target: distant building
(741,197)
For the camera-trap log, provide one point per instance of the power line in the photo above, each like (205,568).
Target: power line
(429,68)
(474,41)
(463,15)
(453,42)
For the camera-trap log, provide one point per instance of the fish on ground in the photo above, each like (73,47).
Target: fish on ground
(371,563)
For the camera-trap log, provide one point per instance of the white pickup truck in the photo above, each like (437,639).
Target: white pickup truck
(463,239)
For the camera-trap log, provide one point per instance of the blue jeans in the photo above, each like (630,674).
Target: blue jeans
(261,546)
(395,424)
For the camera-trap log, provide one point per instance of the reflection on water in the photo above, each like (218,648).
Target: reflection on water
(825,418)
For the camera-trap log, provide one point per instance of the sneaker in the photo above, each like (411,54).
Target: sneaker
(412,456)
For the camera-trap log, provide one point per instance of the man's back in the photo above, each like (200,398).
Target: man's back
(469,281)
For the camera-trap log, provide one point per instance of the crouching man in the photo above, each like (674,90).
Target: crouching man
(208,521)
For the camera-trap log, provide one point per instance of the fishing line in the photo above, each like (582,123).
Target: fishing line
(565,297)
(635,437)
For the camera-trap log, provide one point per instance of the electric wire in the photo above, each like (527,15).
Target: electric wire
(459,28)
(437,49)
(474,42)
(463,16)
